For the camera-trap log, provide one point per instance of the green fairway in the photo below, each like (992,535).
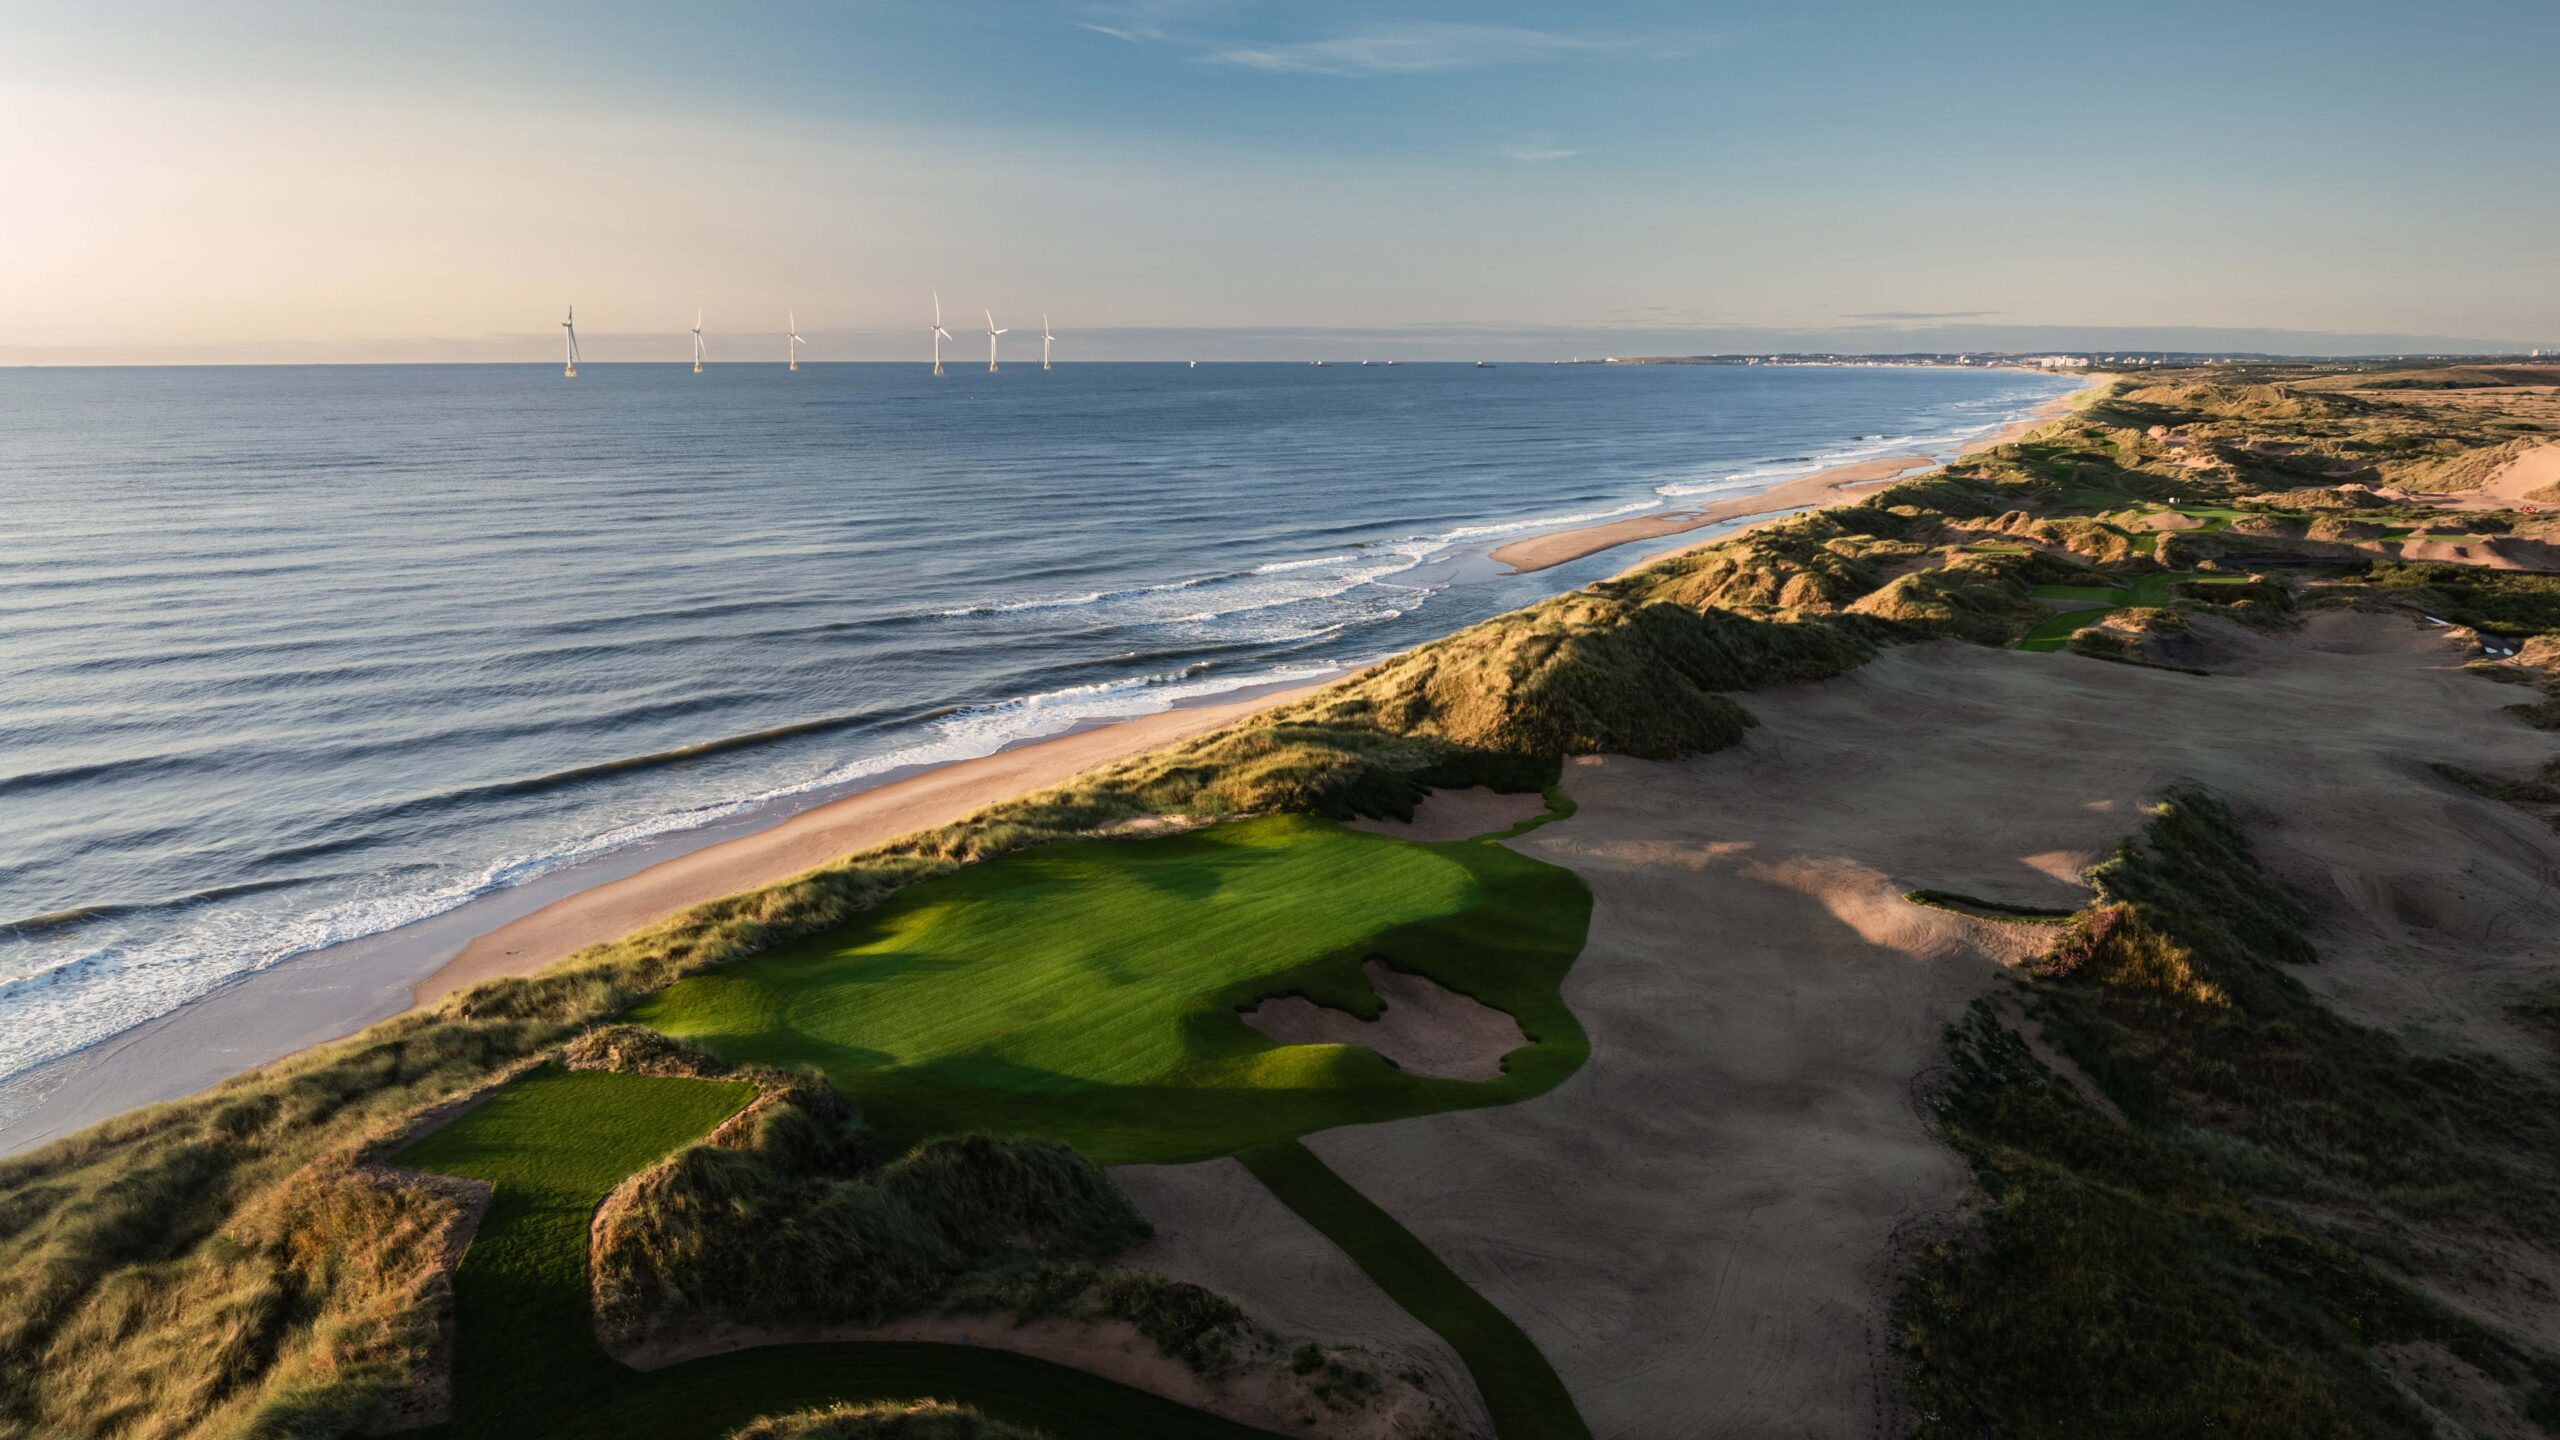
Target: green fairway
(1088,992)
(526,1360)
(2146,592)
(1521,1390)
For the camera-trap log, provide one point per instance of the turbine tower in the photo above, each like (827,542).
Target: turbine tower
(992,333)
(939,334)
(1045,339)
(794,343)
(697,342)
(571,325)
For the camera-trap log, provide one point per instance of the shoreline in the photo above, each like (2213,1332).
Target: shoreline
(828,831)
(1549,549)
(326,995)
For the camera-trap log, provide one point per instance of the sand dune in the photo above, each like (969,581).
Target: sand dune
(1745,1146)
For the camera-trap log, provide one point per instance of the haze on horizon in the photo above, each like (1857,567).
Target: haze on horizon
(290,180)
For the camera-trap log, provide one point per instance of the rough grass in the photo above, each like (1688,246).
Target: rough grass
(1089,992)
(2154,1274)
(227,1264)
(793,1218)
(526,1358)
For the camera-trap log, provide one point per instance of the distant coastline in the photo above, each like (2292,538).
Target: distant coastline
(1558,547)
(325,994)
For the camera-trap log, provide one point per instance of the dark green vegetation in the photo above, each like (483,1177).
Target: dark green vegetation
(1988,909)
(1520,1388)
(1088,992)
(229,1264)
(2151,591)
(526,1361)
(2507,602)
(2149,1266)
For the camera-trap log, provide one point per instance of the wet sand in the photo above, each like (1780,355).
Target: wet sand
(812,838)
(332,993)
(1822,487)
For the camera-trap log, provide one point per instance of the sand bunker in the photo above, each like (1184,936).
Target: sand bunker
(1426,1029)
(1699,1227)
(1460,815)
(1216,1226)
(2514,484)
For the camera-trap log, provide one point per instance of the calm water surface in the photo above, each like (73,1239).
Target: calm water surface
(290,656)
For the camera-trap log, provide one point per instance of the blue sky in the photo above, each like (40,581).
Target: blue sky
(303,180)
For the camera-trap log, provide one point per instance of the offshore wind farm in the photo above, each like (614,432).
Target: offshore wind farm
(1665,721)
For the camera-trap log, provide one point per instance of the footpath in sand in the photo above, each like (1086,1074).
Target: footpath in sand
(1699,1227)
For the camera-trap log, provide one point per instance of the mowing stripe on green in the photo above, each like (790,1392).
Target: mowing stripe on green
(1520,1388)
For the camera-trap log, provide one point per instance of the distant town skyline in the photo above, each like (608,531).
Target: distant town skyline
(289,180)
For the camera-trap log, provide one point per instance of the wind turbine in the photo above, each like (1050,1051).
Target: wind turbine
(571,325)
(992,333)
(939,334)
(793,344)
(697,342)
(1045,339)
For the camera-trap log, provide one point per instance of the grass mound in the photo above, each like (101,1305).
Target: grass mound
(526,1360)
(927,1420)
(1089,992)
(2158,1273)
(228,1262)
(792,1220)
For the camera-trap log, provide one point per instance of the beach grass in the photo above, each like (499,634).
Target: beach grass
(231,1263)
(1088,992)
(2176,1240)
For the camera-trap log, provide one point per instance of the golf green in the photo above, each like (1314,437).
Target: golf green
(1089,991)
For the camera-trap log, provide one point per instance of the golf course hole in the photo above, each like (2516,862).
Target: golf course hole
(1425,1029)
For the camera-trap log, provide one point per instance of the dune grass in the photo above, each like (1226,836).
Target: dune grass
(1521,1390)
(2214,1254)
(1088,992)
(526,1361)
(227,1264)
(2138,592)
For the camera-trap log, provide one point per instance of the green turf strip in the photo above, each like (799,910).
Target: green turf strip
(1527,1400)
(1088,992)
(526,1362)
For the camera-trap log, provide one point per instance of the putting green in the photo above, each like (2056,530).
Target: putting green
(1089,992)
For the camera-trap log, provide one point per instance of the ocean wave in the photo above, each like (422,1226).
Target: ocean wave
(84,996)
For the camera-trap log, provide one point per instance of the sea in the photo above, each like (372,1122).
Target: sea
(295,655)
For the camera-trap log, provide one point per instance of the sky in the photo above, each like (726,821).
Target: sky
(288,180)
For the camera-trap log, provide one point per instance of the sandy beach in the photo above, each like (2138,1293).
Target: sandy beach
(331,993)
(1822,487)
(812,838)
(334,992)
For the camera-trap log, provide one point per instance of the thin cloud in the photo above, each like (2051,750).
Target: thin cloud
(1417,47)
(1924,314)
(1421,48)
(1537,146)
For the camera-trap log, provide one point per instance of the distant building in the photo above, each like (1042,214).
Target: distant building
(2060,362)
